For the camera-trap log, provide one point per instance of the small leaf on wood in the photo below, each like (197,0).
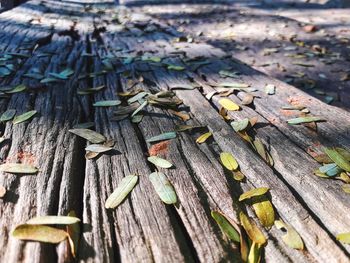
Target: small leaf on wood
(123,189)
(240,125)
(254,253)
(162,137)
(228,161)
(98,148)
(264,210)
(160,162)
(73,232)
(18,168)
(91,136)
(163,187)
(8,115)
(203,137)
(226,227)
(344,238)
(53,220)
(238,175)
(233,85)
(143,105)
(107,103)
(339,159)
(252,229)
(254,192)
(46,234)
(291,238)
(23,117)
(17,89)
(346,188)
(300,120)
(228,104)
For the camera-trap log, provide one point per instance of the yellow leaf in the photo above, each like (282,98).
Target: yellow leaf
(73,232)
(46,234)
(203,137)
(264,211)
(291,238)
(344,238)
(228,104)
(238,175)
(254,253)
(253,192)
(252,229)
(228,161)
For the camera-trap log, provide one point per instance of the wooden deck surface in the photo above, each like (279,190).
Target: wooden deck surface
(110,41)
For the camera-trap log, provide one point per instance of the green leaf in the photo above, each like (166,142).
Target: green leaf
(63,75)
(151,59)
(175,67)
(339,159)
(160,162)
(228,161)
(17,89)
(162,137)
(300,120)
(98,148)
(8,115)
(120,193)
(182,87)
(91,136)
(291,238)
(240,125)
(23,117)
(163,187)
(252,229)
(144,104)
(137,97)
(228,104)
(53,220)
(225,225)
(18,168)
(107,103)
(46,234)
(254,192)
(344,238)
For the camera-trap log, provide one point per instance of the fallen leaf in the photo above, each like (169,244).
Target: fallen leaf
(339,159)
(91,136)
(46,234)
(346,188)
(225,225)
(163,187)
(254,192)
(291,238)
(8,115)
(123,189)
(18,168)
(160,162)
(344,238)
(162,137)
(264,210)
(53,220)
(300,120)
(98,148)
(73,232)
(240,125)
(23,117)
(228,161)
(228,104)
(252,229)
(106,103)
(203,137)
